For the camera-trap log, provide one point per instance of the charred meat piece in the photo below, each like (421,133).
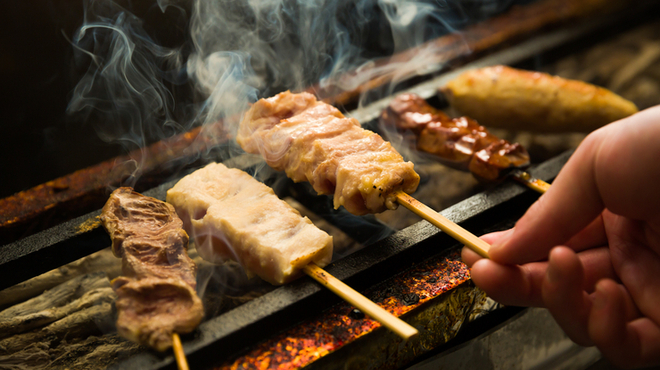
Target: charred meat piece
(411,112)
(230,215)
(458,142)
(156,295)
(313,141)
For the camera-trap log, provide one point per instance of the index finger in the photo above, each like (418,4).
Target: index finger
(571,203)
(614,167)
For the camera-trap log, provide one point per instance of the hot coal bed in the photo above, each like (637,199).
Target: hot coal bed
(405,264)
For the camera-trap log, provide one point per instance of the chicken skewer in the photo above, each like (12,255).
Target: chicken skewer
(505,97)
(312,141)
(156,296)
(230,215)
(458,142)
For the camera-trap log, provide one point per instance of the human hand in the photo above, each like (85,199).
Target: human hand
(589,248)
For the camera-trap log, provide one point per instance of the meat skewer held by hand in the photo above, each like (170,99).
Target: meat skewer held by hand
(313,141)
(506,97)
(458,142)
(230,215)
(156,295)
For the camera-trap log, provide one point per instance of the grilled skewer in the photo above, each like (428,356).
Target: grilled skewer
(312,141)
(229,214)
(156,294)
(505,97)
(458,142)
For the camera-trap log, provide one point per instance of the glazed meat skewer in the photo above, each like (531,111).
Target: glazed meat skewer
(156,294)
(458,142)
(313,141)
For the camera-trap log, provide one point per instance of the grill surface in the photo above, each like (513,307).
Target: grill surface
(232,336)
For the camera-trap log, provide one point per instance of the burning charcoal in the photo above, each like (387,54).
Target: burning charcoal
(410,299)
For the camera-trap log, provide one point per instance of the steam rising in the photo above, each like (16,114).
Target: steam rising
(139,87)
(136,90)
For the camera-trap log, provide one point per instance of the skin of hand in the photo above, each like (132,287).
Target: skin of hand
(589,248)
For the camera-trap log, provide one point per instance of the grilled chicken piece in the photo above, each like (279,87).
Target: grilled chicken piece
(156,295)
(510,98)
(313,141)
(230,215)
(459,142)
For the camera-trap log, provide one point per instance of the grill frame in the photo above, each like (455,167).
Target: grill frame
(284,306)
(222,337)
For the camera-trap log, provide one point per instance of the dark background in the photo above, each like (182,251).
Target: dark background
(39,69)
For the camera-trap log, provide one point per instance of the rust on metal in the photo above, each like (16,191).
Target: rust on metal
(343,323)
(87,190)
(88,225)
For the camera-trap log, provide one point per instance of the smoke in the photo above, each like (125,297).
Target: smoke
(141,84)
(152,71)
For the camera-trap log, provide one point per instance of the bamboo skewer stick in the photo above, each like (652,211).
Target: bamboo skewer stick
(400,327)
(179,355)
(444,224)
(531,182)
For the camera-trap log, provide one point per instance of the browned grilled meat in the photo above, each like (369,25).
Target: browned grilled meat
(458,142)
(156,295)
(313,141)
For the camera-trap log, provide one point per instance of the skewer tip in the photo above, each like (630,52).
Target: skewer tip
(179,354)
(400,327)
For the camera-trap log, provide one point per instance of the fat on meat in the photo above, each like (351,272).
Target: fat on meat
(231,215)
(313,141)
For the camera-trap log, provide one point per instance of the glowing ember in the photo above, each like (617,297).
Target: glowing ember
(343,324)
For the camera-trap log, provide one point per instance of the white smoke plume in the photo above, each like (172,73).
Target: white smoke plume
(138,89)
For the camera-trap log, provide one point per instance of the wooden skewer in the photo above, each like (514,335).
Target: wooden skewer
(531,182)
(400,327)
(444,224)
(180,356)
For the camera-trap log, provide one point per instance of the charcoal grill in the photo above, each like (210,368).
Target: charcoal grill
(229,338)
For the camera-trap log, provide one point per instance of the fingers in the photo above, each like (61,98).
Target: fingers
(509,284)
(469,257)
(571,203)
(521,285)
(599,174)
(615,327)
(591,236)
(636,261)
(564,296)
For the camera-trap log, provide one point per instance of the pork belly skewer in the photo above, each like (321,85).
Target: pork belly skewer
(460,143)
(230,215)
(313,141)
(156,296)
